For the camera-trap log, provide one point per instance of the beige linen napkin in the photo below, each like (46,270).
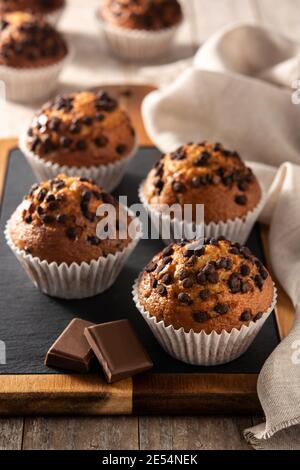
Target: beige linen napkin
(239,92)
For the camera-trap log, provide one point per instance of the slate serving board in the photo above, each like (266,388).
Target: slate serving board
(30,321)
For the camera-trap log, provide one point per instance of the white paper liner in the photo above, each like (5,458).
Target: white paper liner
(236,230)
(202,348)
(73,281)
(27,85)
(55,15)
(136,44)
(107,176)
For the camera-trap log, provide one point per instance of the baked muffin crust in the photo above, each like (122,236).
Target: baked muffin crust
(81,130)
(27,41)
(206,174)
(33,6)
(217,287)
(142,14)
(57,222)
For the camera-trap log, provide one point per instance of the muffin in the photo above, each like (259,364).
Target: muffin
(32,54)
(210,175)
(50,9)
(140,30)
(83,134)
(54,233)
(205,302)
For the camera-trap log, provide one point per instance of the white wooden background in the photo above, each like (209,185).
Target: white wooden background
(93,65)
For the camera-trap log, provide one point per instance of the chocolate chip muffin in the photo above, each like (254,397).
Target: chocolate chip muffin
(219,286)
(206,174)
(153,15)
(28,42)
(81,130)
(57,222)
(40,7)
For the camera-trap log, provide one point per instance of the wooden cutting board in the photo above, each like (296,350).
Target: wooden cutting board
(161,393)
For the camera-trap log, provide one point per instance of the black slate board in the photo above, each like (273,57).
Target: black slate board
(30,321)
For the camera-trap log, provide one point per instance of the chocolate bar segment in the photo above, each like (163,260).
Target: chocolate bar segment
(71,351)
(118,350)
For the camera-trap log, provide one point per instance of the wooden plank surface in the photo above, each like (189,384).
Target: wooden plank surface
(160,432)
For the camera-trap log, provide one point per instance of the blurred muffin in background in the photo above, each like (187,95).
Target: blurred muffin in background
(85,134)
(51,9)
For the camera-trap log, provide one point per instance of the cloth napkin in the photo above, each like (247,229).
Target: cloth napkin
(239,91)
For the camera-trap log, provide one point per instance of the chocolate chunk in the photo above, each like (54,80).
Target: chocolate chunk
(264,274)
(221,263)
(221,309)
(161,290)
(234,283)
(184,298)
(245,287)
(54,124)
(178,187)
(81,145)
(188,283)
(241,200)
(40,210)
(71,350)
(47,219)
(201,278)
(87,121)
(42,194)
(244,270)
(151,267)
(258,316)
(204,294)
(99,117)
(203,159)
(213,278)
(183,274)
(179,154)
(200,317)
(75,128)
(196,182)
(65,142)
(71,233)
(118,350)
(28,219)
(246,315)
(50,198)
(243,185)
(191,261)
(53,206)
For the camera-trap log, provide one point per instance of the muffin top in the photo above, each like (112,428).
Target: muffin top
(57,221)
(214,287)
(142,14)
(34,6)
(28,41)
(204,174)
(81,129)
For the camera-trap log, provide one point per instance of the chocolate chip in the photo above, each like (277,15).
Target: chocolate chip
(209,268)
(245,287)
(202,160)
(153,282)
(246,315)
(121,149)
(200,252)
(161,290)
(168,251)
(221,263)
(200,317)
(244,270)
(221,309)
(54,124)
(53,206)
(259,282)
(81,145)
(183,274)
(65,142)
(241,200)
(40,210)
(179,154)
(184,298)
(42,194)
(28,219)
(167,279)
(71,233)
(264,273)
(74,128)
(214,242)
(87,121)
(258,316)
(234,283)
(58,184)
(243,185)
(188,283)
(159,184)
(99,117)
(204,294)
(61,219)
(93,240)
(192,260)
(178,187)
(188,253)
(201,278)
(213,278)
(151,267)
(47,219)
(196,182)
(245,252)
(101,141)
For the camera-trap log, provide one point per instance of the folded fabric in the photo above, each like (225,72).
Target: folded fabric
(239,92)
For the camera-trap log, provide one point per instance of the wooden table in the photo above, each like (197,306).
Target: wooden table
(190,433)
